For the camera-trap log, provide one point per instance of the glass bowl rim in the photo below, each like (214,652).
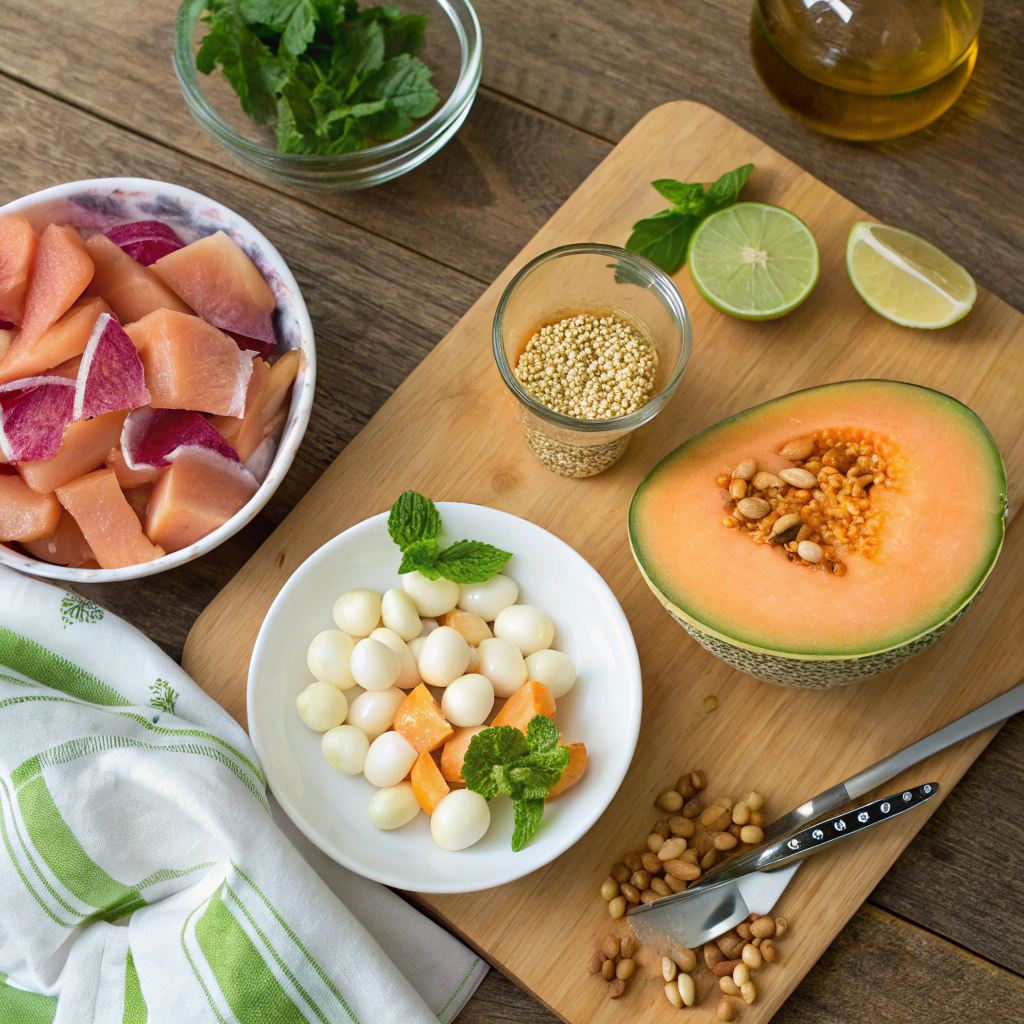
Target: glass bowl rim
(470,45)
(665,287)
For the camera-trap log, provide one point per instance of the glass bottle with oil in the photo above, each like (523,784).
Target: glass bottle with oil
(865,69)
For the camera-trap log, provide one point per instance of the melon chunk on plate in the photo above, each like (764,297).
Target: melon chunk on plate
(126,476)
(108,522)
(145,240)
(18,243)
(60,273)
(139,499)
(25,515)
(216,278)
(110,376)
(65,546)
(33,415)
(84,447)
(152,436)
(200,492)
(191,365)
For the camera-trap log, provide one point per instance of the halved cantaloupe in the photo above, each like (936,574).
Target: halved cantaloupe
(454,752)
(191,365)
(530,700)
(573,771)
(84,447)
(198,493)
(428,783)
(25,515)
(132,290)
(65,546)
(420,721)
(60,273)
(107,520)
(128,478)
(927,533)
(18,243)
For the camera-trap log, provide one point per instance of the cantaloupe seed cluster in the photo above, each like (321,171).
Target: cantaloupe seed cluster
(821,506)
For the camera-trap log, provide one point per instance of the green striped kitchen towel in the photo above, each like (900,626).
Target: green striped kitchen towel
(146,876)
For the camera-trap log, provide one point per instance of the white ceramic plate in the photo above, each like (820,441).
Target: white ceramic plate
(602,709)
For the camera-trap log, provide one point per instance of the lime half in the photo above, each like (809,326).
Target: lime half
(753,261)
(907,279)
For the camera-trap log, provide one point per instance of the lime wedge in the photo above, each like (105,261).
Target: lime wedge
(907,279)
(753,261)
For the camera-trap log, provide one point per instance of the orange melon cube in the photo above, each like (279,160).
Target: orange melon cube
(454,752)
(420,721)
(128,478)
(132,290)
(60,273)
(84,447)
(428,783)
(531,699)
(65,546)
(191,365)
(18,245)
(199,492)
(139,498)
(107,520)
(25,515)
(573,770)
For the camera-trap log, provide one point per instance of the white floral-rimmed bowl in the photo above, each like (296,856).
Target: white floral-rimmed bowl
(602,710)
(99,204)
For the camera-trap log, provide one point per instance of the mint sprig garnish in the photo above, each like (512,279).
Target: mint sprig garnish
(501,761)
(664,238)
(415,524)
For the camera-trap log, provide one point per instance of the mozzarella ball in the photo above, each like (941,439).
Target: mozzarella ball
(444,656)
(394,806)
(415,646)
(461,819)
(429,625)
(468,701)
(375,666)
(554,669)
(389,759)
(431,597)
(408,673)
(357,612)
(328,658)
(489,598)
(527,627)
(399,613)
(502,662)
(345,748)
(321,706)
(373,712)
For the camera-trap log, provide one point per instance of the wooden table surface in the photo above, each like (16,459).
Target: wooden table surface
(88,91)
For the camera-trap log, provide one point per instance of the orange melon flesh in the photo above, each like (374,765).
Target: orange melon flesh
(107,520)
(139,499)
(18,244)
(25,515)
(65,546)
(530,700)
(132,290)
(573,770)
(420,721)
(428,783)
(84,447)
(62,269)
(454,752)
(65,340)
(126,477)
(942,526)
(199,492)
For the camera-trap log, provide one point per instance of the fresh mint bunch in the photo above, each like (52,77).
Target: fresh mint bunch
(664,238)
(501,761)
(332,77)
(414,525)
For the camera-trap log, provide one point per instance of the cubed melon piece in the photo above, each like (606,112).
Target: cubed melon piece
(420,721)
(454,752)
(198,493)
(573,770)
(530,700)
(216,278)
(109,523)
(139,499)
(191,365)
(18,244)
(85,446)
(132,290)
(126,476)
(65,546)
(60,273)
(428,783)
(25,515)
(65,340)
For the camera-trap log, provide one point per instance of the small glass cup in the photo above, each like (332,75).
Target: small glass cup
(602,280)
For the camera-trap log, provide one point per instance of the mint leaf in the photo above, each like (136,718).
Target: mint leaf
(527,782)
(413,518)
(358,51)
(296,120)
(471,561)
(528,815)
(492,748)
(686,197)
(295,19)
(405,80)
(663,238)
(542,735)
(421,555)
(726,190)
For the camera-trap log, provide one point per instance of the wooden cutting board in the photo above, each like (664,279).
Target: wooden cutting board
(452,432)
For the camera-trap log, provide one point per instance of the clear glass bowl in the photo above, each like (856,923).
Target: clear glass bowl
(602,280)
(452,51)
